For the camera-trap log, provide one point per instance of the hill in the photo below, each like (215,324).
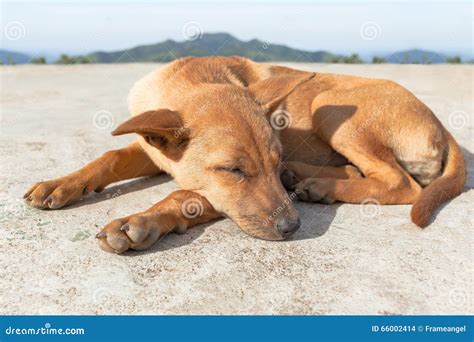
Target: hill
(12,57)
(210,44)
(416,56)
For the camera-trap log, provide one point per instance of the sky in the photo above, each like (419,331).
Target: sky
(366,27)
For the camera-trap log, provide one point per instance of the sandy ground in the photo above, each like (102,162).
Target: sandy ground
(345,259)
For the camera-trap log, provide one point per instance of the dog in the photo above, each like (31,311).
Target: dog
(236,135)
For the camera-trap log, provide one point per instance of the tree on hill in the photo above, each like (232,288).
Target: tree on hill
(454,60)
(378,60)
(65,59)
(38,60)
(352,59)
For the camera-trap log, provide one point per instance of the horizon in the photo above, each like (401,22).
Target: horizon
(384,54)
(366,27)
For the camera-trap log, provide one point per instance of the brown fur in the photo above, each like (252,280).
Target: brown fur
(205,121)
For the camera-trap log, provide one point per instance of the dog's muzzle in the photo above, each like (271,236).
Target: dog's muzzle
(287,227)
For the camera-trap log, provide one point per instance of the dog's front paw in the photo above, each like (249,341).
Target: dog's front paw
(136,232)
(313,190)
(56,193)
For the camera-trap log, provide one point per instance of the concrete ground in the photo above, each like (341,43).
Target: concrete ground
(345,259)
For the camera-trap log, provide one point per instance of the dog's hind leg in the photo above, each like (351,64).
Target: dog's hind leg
(293,172)
(385,183)
(179,211)
(112,166)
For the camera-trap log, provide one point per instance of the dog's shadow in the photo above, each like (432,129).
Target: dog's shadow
(315,219)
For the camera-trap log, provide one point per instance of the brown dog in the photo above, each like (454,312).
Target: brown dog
(205,121)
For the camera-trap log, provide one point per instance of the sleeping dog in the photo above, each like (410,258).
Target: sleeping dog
(234,134)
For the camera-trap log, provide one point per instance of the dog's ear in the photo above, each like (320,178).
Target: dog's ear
(272,91)
(162,128)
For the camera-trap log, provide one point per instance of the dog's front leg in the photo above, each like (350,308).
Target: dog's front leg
(112,166)
(179,211)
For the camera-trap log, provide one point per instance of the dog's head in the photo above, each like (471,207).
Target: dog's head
(221,145)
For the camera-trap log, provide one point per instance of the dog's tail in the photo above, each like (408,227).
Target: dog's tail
(447,186)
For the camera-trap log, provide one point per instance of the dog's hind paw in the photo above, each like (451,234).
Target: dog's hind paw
(288,179)
(313,190)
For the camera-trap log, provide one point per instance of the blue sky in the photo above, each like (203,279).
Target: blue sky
(366,27)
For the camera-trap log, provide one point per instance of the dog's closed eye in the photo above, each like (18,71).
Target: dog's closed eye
(236,170)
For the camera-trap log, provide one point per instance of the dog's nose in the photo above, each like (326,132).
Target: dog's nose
(287,227)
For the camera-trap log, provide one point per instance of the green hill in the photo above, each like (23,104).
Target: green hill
(210,44)
(416,56)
